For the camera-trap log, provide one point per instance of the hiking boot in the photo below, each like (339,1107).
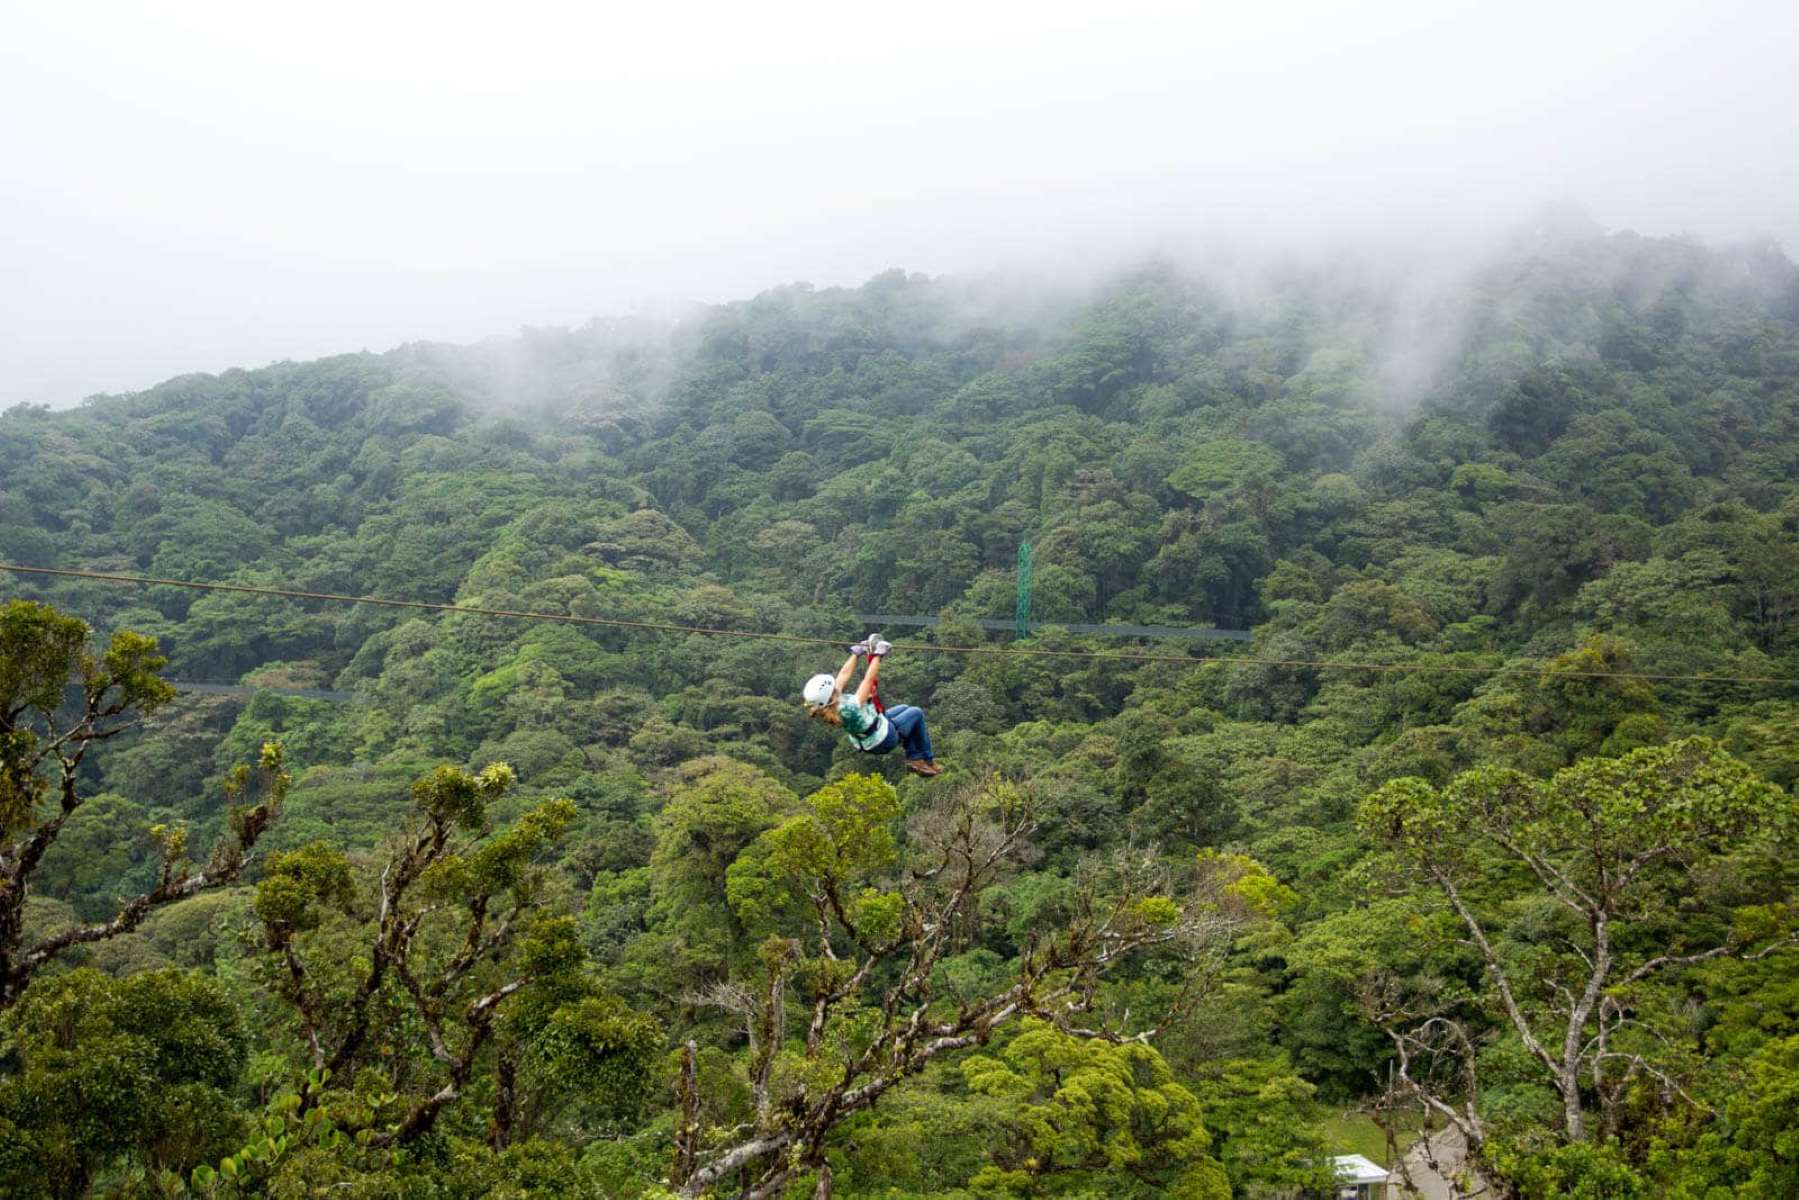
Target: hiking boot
(919,766)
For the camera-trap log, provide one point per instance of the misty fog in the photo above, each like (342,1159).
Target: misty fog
(196,186)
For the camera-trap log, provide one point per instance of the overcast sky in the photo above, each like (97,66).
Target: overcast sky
(196,185)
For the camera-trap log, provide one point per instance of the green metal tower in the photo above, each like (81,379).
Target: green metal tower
(1021,615)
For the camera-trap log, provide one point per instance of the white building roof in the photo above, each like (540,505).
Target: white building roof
(1353,1168)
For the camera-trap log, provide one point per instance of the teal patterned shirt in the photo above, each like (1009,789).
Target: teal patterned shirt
(866,727)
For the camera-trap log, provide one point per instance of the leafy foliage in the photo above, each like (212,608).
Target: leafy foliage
(686,923)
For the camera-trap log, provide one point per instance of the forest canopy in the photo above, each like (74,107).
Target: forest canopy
(448,905)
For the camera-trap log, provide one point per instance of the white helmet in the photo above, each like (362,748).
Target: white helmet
(819,689)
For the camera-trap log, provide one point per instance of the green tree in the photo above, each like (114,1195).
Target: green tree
(1603,857)
(457,931)
(102,1068)
(1222,465)
(1087,1111)
(44,739)
(718,809)
(861,931)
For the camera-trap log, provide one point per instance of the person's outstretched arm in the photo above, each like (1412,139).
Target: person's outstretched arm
(869,678)
(845,672)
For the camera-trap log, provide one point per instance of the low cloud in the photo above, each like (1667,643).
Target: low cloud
(226,186)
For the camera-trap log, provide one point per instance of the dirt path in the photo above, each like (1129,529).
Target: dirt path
(1447,1146)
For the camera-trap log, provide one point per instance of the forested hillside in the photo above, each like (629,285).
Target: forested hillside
(564,910)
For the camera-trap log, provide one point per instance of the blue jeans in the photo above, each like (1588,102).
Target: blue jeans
(908,724)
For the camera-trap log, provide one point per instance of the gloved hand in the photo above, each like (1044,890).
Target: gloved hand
(878,648)
(860,649)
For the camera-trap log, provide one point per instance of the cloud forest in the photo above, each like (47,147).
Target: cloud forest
(1432,800)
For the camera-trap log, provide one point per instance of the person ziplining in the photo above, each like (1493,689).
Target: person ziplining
(868,724)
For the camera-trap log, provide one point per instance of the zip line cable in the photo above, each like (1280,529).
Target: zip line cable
(917,647)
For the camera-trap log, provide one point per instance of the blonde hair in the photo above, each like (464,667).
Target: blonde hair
(825,712)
